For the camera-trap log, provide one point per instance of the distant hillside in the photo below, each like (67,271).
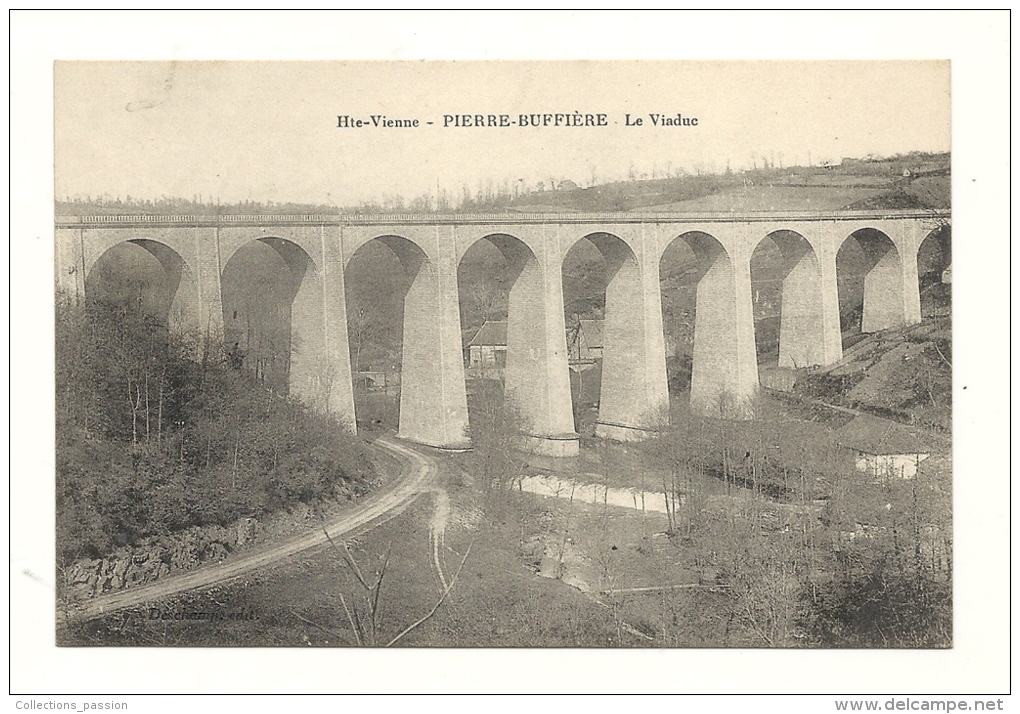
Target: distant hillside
(107,206)
(911,181)
(915,180)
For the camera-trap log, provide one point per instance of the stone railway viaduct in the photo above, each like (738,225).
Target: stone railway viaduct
(195,251)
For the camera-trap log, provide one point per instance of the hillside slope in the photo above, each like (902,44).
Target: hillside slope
(905,374)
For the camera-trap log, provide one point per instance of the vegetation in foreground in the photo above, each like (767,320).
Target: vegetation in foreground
(814,551)
(155,436)
(847,562)
(771,537)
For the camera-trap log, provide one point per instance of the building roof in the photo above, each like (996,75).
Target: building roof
(883,437)
(490,334)
(493,334)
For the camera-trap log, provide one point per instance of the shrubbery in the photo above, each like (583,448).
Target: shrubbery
(884,607)
(891,560)
(153,436)
(496,428)
(872,567)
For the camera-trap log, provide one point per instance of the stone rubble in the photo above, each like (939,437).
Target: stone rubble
(156,557)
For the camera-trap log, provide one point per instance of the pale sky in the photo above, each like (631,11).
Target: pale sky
(268,130)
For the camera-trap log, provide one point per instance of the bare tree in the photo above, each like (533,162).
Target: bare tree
(359,325)
(497,427)
(363,613)
(485,300)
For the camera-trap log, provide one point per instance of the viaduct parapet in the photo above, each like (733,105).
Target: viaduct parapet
(195,252)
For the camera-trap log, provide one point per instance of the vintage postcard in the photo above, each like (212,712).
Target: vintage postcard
(644,349)
(504,354)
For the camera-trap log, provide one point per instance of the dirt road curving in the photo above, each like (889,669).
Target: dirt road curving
(416,478)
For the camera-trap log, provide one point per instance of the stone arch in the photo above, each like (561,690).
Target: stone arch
(632,396)
(613,241)
(724,367)
(934,254)
(309,238)
(407,242)
(148,276)
(608,249)
(786,284)
(433,403)
(535,372)
(869,265)
(934,272)
(515,251)
(480,294)
(273,314)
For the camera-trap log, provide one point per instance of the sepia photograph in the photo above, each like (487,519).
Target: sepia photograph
(535,356)
(549,354)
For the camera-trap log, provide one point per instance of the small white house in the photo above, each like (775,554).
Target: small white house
(890,465)
(488,347)
(885,449)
